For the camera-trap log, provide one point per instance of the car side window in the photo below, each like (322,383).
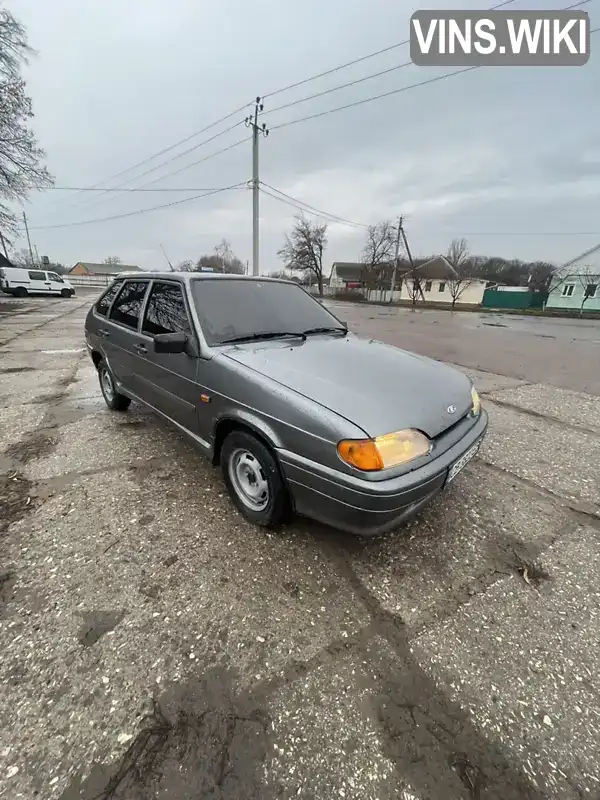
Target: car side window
(37,276)
(128,305)
(103,304)
(166,311)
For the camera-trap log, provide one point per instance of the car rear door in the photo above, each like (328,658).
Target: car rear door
(169,379)
(119,334)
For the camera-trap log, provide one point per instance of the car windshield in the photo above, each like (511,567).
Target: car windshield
(232,309)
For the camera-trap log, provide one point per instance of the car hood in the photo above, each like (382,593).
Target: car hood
(379,388)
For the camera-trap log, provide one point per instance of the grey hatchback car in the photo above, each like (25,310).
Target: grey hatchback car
(302,415)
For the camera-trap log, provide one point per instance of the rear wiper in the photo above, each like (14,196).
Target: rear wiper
(252,337)
(326,330)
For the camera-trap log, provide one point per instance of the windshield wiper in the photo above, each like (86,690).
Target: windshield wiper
(252,337)
(326,330)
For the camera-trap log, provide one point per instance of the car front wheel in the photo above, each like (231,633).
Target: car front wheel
(66,293)
(114,399)
(254,480)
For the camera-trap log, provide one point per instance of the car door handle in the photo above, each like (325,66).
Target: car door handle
(104,333)
(140,348)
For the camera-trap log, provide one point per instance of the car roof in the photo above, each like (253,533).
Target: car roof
(187,277)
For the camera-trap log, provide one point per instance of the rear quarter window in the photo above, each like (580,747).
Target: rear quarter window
(103,304)
(37,276)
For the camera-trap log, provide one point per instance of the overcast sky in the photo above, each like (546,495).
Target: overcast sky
(501,150)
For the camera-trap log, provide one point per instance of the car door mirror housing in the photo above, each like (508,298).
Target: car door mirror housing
(170,342)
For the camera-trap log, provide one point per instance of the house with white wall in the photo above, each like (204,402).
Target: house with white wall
(576,286)
(438,282)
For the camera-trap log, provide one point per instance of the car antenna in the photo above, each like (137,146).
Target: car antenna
(167,257)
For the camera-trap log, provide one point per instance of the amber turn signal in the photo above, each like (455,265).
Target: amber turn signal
(391,450)
(476,407)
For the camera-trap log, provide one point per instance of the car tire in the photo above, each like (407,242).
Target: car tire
(254,480)
(21,291)
(66,293)
(113,399)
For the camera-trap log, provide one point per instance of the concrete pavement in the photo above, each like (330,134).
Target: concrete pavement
(154,644)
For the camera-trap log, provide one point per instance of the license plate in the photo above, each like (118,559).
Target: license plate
(462,462)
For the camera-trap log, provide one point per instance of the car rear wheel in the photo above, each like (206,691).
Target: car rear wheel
(114,400)
(254,480)
(21,291)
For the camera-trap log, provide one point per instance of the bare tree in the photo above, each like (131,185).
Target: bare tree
(378,252)
(21,167)
(304,247)
(588,277)
(185,266)
(113,261)
(463,263)
(223,260)
(22,258)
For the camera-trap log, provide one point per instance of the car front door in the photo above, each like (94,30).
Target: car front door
(120,337)
(56,282)
(169,379)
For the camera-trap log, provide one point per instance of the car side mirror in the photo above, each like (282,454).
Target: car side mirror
(170,342)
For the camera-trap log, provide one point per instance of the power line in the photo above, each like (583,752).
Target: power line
(270,94)
(304,207)
(179,155)
(195,163)
(375,97)
(341,86)
(139,211)
(111,189)
(394,91)
(172,147)
(357,60)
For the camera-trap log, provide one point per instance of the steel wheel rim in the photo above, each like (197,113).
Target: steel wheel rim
(248,480)
(107,385)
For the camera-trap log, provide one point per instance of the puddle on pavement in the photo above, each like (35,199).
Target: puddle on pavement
(11,370)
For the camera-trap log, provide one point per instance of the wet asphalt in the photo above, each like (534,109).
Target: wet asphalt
(155,645)
(558,352)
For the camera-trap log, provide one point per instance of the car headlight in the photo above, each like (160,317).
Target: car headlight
(476,407)
(382,452)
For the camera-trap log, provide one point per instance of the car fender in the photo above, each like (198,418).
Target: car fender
(251,420)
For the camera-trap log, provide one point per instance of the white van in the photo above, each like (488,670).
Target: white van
(23,282)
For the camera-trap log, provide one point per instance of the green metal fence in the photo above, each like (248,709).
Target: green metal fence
(492,298)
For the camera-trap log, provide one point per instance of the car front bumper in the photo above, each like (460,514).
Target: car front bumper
(370,508)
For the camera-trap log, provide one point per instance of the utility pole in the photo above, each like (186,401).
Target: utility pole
(412,263)
(397,253)
(252,122)
(28,239)
(37,256)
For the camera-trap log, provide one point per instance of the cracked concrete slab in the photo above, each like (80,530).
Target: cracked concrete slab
(572,408)
(519,659)
(483,527)
(560,459)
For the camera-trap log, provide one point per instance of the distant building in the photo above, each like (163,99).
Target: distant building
(107,270)
(434,276)
(346,274)
(576,282)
